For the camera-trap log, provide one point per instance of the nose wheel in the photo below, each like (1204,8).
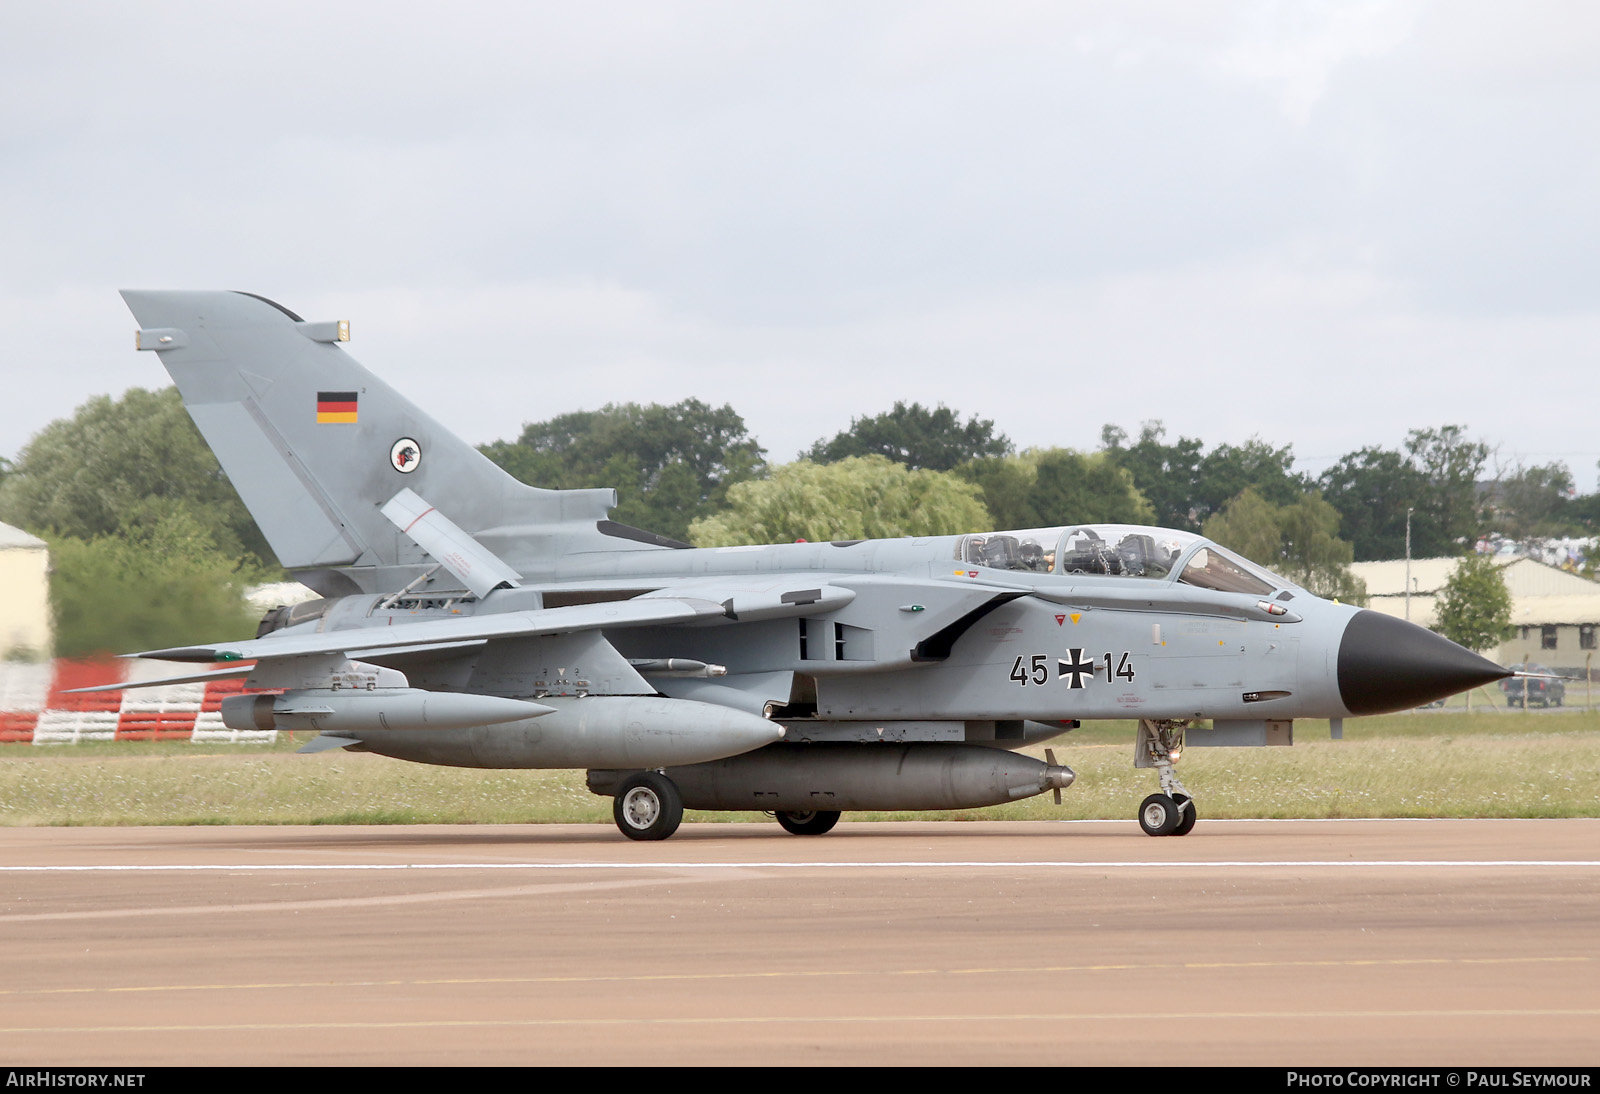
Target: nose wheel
(1167,815)
(1171,812)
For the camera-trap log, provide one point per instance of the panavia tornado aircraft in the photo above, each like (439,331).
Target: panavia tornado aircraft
(469,620)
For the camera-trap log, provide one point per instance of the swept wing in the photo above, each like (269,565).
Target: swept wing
(374,640)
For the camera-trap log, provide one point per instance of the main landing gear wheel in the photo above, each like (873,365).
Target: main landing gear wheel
(813,823)
(1159,815)
(647,806)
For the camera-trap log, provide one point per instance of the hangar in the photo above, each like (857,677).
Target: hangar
(25,631)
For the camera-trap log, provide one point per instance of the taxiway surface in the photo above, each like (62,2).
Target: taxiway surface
(1294,943)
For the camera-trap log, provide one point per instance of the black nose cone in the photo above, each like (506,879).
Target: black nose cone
(1388,664)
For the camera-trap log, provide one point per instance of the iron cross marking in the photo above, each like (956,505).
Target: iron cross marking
(1078,667)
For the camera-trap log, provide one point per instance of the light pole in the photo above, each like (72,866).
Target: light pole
(1408,564)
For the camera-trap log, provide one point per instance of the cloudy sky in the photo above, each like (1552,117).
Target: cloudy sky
(1323,223)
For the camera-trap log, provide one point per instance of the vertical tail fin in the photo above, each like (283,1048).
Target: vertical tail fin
(316,444)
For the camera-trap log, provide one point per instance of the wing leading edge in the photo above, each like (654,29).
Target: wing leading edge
(527,624)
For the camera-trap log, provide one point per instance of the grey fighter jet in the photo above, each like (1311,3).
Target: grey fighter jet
(469,620)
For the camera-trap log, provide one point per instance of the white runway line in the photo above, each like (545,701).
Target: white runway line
(973,1018)
(907,864)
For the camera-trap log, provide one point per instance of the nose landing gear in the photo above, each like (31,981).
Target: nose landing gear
(1159,745)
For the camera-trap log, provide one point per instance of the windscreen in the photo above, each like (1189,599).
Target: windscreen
(1213,568)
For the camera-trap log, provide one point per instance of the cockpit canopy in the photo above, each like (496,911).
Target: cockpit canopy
(1119,550)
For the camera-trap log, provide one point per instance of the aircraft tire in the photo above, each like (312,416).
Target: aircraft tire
(811,823)
(1158,815)
(1186,825)
(647,806)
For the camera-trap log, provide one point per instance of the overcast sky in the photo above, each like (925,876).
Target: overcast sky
(1323,223)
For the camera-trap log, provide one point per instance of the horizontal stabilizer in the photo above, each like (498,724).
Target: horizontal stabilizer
(161,681)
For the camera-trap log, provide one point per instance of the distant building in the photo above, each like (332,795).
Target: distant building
(1556,613)
(25,630)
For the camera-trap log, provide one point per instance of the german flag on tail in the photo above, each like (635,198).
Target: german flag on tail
(336,406)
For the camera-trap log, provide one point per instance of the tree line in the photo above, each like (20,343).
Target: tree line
(151,544)
(1442,477)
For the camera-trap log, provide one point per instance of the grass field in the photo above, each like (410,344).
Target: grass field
(1423,764)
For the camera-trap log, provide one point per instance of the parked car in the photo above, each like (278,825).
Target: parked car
(1521,691)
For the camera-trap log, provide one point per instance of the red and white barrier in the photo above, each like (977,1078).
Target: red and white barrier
(34,708)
